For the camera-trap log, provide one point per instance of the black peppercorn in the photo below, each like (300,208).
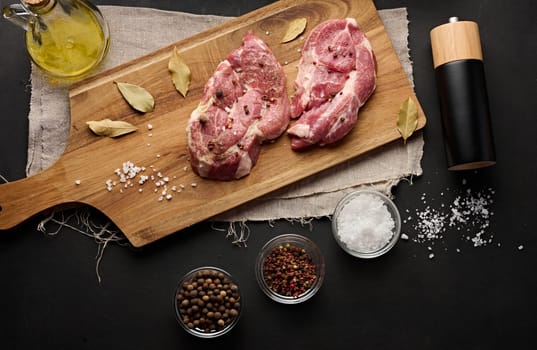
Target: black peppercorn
(203,301)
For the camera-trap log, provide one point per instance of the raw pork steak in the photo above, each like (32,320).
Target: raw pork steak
(244,103)
(336,76)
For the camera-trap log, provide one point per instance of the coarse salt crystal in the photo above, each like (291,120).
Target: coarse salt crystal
(77,182)
(149,126)
(364,224)
(143,179)
(469,213)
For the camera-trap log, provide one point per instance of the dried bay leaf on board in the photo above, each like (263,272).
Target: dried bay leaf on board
(294,29)
(110,128)
(181,74)
(137,97)
(407,121)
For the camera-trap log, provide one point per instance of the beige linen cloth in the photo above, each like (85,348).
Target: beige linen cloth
(137,31)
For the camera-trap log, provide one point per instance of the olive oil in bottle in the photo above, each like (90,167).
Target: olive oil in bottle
(67,40)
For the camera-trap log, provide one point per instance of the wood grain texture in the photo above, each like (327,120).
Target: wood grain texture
(140,215)
(455,41)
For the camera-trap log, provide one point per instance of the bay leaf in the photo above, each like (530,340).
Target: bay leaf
(137,97)
(408,118)
(110,128)
(180,72)
(294,29)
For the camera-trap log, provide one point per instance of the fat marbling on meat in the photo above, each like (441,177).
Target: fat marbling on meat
(244,104)
(336,76)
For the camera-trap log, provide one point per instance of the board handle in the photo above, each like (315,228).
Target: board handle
(22,199)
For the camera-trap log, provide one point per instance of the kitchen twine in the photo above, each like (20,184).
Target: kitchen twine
(138,31)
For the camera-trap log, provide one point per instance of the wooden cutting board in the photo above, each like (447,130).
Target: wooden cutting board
(81,174)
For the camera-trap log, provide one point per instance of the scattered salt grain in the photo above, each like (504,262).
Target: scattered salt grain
(364,224)
(431,256)
(143,179)
(469,213)
(520,247)
(129,174)
(149,126)
(77,182)
(404,236)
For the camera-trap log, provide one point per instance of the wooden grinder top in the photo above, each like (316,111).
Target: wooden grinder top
(455,41)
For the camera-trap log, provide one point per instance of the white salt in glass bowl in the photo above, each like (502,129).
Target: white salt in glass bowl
(366,223)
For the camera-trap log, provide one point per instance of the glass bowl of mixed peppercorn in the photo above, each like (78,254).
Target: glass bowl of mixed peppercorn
(207,302)
(290,269)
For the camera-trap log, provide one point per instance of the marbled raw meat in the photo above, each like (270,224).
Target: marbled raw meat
(336,76)
(244,104)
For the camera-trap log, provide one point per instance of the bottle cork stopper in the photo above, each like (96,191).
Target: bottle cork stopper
(36,2)
(455,41)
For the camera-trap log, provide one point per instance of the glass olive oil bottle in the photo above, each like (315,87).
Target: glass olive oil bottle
(66,38)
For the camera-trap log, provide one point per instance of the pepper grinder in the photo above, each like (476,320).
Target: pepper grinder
(464,107)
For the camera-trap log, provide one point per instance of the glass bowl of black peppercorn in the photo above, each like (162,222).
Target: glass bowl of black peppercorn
(207,302)
(290,269)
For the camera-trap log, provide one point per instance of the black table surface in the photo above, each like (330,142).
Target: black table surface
(465,297)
